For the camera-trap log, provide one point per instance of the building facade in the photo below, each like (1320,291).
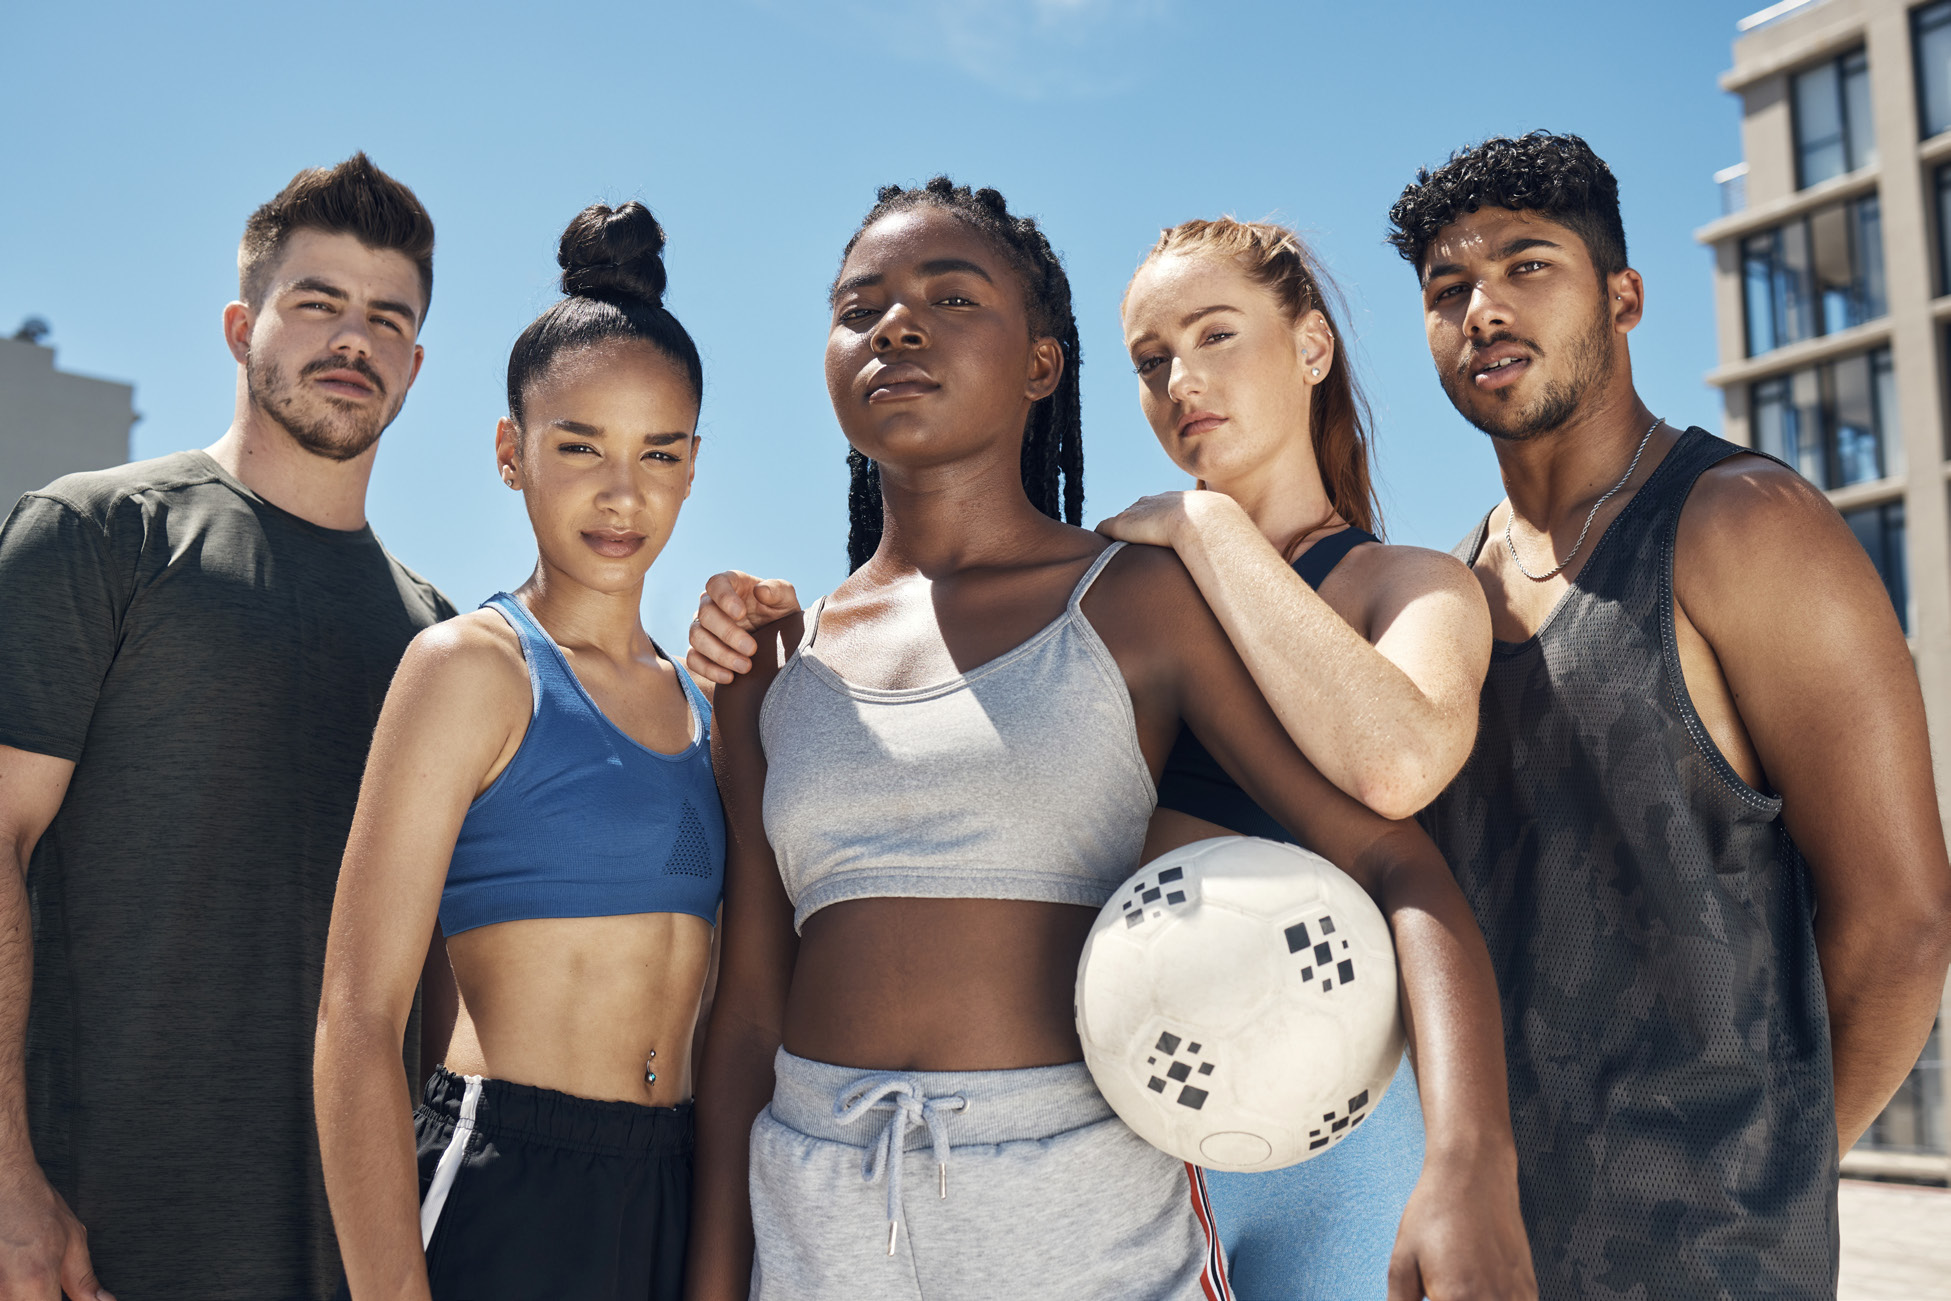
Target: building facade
(53,423)
(1832,291)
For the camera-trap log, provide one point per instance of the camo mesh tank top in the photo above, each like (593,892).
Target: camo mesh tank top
(1651,924)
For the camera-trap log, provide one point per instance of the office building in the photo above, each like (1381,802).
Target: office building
(1832,276)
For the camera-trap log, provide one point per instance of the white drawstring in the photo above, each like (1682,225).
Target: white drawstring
(898,1093)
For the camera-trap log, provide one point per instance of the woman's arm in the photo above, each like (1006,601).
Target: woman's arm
(456,708)
(1463,1235)
(756,949)
(1389,723)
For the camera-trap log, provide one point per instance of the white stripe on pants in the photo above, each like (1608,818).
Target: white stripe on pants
(450,1162)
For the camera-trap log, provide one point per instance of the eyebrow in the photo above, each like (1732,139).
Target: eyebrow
(1190,317)
(1507,251)
(314,285)
(935,267)
(325,288)
(585,430)
(1147,336)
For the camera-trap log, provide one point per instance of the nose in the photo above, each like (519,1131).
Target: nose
(1180,382)
(620,490)
(898,329)
(1486,314)
(354,334)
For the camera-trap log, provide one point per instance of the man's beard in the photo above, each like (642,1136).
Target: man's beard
(316,422)
(1591,371)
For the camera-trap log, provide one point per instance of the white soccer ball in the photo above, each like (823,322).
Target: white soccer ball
(1237,1003)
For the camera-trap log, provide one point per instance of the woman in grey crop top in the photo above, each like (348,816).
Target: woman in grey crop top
(931,780)
(539,782)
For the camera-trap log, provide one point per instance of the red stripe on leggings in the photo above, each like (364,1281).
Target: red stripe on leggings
(1212,1278)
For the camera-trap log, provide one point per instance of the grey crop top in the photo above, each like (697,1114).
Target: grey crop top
(1020,779)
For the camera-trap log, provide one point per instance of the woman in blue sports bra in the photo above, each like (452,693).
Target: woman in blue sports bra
(1371,655)
(539,796)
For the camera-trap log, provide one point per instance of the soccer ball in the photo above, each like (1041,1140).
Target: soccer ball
(1237,1004)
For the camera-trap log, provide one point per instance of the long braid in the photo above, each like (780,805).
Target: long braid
(863,509)
(1053,436)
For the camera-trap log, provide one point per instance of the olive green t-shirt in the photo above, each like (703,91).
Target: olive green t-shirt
(214,667)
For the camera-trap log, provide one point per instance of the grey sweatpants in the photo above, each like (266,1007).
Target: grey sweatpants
(1047,1192)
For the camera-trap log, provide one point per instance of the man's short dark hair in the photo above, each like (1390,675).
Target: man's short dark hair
(1557,177)
(355,198)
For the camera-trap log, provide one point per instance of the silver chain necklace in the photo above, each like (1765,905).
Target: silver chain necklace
(1590,515)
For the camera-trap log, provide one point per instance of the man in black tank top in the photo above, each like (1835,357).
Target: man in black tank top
(1699,828)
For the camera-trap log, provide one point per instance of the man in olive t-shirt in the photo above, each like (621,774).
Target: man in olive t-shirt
(195,650)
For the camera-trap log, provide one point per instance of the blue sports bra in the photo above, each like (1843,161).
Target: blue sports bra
(585,822)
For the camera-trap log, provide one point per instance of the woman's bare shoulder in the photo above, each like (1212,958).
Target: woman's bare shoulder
(467,664)
(1405,572)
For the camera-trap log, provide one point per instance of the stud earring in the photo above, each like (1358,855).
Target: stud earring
(1317,372)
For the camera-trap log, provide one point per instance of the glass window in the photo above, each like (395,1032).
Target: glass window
(1758,289)
(1835,423)
(1859,452)
(1804,443)
(1932,41)
(1883,380)
(1773,419)
(1881,531)
(1869,298)
(1819,146)
(1815,275)
(1834,129)
(1859,124)
(1834,268)
(1944,229)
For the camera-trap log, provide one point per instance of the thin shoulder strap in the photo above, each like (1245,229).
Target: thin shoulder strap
(692,690)
(1090,575)
(1318,561)
(537,646)
(810,625)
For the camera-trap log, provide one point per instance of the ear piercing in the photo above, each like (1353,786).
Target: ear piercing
(1317,372)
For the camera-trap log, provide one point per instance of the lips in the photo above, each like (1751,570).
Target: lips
(1200,422)
(617,544)
(1498,366)
(346,382)
(354,378)
(900,380)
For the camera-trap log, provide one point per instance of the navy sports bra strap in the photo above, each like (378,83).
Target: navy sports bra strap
(1319,560)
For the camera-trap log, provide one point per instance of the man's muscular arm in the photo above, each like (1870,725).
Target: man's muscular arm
(1817,670)
(43,1248)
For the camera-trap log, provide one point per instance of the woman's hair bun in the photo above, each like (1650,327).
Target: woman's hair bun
(613,253)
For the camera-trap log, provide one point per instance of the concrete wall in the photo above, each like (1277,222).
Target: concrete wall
(53,423)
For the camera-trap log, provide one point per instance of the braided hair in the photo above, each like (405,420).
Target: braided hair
(1053,437)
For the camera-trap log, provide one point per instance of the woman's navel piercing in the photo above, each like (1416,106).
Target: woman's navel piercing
(650,1076)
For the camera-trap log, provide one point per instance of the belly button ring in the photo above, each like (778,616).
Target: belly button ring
(650,1076)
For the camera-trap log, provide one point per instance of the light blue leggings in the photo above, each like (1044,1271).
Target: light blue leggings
(1323,1230)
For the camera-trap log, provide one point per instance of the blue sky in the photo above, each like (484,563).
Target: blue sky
(141,136)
